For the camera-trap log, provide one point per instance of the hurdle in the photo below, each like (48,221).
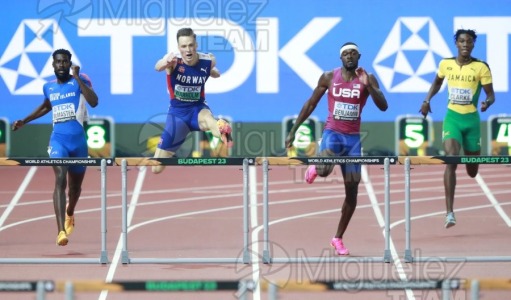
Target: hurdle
(286,161)
(429,160)
(69,288)
(445,285)
(220,161)
(103,258)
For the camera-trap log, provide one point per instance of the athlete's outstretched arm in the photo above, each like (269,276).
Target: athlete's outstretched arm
(433,90)
(167,62)
(310,105)
(40,111)
(215,73)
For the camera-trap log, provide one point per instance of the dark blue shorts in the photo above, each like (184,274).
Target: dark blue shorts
(180,122)
(342,145)
(66,145)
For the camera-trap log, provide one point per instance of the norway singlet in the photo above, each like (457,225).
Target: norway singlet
(186,83)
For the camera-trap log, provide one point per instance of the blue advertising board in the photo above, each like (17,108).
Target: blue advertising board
(270,53)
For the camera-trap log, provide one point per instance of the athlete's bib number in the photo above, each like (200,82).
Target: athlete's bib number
(460,96)
(63,112)
(187,93)
(346,111)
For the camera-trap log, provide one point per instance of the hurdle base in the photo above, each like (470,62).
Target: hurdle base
(267,257)
(387,256)
(331,259)
(50,261)
(186,261)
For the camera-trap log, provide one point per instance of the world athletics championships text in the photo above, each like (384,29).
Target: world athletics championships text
(344,160)
(82,161)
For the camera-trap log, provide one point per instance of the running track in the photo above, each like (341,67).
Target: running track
(197,212)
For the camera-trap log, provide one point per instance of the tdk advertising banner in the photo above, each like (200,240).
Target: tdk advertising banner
(271,53)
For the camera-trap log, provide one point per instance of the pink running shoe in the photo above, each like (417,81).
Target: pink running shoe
(310,174)
(225,131)
(339,246)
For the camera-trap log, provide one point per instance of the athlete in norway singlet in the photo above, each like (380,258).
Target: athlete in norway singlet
(345,103)
(187,98)
(186,83)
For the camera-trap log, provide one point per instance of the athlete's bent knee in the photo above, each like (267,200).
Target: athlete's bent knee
(324,170)
(157,169)
(472,170)
(74,191)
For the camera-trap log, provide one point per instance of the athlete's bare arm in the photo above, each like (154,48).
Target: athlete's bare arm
(490,97)
(167,62)
(214,71)
(87,92)
(309,106)
(40,111)
(373,87)
(433,90)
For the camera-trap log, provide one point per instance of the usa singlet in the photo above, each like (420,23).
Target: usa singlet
(186,83)
(345,103)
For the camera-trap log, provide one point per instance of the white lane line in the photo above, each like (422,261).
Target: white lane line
(381,221)
(492,199)
(18,194)
(131,212)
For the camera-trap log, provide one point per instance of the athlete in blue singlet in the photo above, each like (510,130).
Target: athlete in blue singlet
(65,97)
(187,73)
(348,88)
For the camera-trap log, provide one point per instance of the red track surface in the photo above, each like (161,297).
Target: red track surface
(196,212)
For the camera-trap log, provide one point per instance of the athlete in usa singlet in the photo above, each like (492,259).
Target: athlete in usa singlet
(347,88)
(341,135)
(346,101)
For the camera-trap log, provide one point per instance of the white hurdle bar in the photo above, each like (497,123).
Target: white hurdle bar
(103,258)
(408,257)
(126,259)
(268,259)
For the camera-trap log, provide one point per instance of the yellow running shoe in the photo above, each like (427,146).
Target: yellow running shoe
(62,239)
(69,224)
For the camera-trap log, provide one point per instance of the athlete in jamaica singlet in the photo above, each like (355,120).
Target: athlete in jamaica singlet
(466,77)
